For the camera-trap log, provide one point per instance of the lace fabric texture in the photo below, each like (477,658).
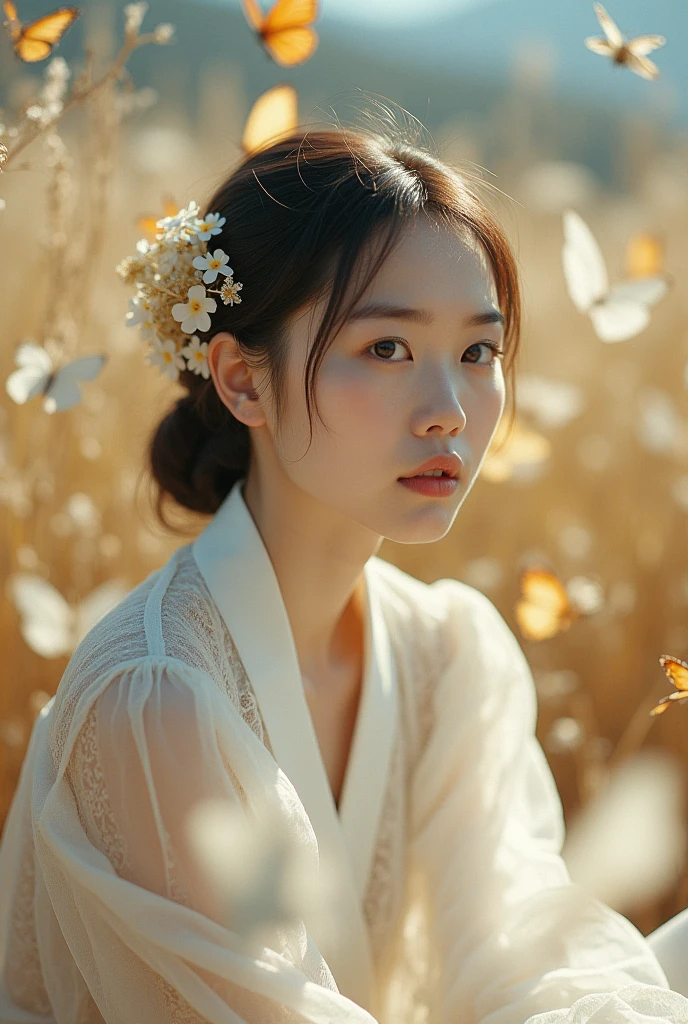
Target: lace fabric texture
(204,643)
(471,916)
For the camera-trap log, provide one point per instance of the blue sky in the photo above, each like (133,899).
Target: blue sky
(382,11)
(386,10)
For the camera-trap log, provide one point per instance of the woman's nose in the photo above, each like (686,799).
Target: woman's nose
(443,413)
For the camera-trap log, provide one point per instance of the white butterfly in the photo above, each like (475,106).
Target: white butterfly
(49,624)
(37,376)
(631,52)
(618,313)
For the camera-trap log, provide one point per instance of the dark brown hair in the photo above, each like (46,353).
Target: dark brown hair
(314,215)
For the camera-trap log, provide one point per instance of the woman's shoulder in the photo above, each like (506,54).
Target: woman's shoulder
(438,603)
(168,602)
(162,626)
(448,621)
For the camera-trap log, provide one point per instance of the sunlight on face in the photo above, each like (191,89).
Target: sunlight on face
(394,389)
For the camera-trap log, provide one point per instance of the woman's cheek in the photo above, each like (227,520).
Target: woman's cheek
(354,396)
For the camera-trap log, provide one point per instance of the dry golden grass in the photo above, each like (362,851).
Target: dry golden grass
(610,502)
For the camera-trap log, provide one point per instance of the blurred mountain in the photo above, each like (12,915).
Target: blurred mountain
(546,37)
(458,76)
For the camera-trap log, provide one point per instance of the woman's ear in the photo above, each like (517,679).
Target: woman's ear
(233,379)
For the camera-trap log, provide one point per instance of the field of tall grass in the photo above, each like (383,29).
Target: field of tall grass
(593,481)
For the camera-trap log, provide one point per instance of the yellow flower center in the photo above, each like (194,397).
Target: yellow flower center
(195,306)
(214,264)
(167,356)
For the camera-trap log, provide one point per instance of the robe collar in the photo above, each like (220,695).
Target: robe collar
(239,574)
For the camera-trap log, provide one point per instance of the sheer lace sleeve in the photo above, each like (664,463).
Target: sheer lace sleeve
(135,910)
(513,940)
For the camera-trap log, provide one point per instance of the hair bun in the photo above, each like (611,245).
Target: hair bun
(198,451)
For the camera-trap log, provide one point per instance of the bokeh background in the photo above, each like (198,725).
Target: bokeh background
(594,480)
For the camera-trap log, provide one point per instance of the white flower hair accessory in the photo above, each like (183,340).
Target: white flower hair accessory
(171,276)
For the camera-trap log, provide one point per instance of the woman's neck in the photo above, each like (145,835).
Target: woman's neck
(319,565)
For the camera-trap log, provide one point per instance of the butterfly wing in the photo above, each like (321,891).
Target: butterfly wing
(646,290)
(46,618)
(599,45)
(12,23)
(665,702)
(254,15)
(52,27)
(31,379)
(98,603)
(643,45)
(543,609)
(642,66)
(37,40)
(274,114)
(618,321)
(676,671)
(287,31)
(609,27)
(584,267)
(32,50)
(288,14)
(625,313)
(291,46)
(63,391)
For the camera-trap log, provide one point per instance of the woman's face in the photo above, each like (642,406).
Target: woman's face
(407,377)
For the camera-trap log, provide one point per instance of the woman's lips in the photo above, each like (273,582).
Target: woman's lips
(431,486)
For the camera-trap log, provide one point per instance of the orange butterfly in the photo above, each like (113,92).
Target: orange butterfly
(37,41)
(286,29)
(274,114)
(631,52)
(149,225)
(677,673)
(546,607)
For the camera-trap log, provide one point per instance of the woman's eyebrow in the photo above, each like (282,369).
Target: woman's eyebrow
(391,311)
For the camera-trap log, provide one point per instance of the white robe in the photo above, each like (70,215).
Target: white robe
(452,904)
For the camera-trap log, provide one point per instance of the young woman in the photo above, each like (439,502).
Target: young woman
(278,667)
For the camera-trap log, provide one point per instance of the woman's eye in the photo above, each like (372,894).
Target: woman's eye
(384,350)
(387,348)
(494,352)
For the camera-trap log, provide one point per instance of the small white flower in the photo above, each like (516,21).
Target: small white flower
(143,246)
(193,314)
(196,353)
(183,221)
(164,355)
(211,225)
(213,265)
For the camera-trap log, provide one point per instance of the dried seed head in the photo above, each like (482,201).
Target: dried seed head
(133,15)
(163,33)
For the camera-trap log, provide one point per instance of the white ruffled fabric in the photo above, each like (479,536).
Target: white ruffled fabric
(472,918)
